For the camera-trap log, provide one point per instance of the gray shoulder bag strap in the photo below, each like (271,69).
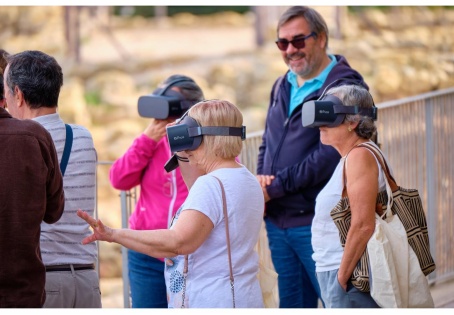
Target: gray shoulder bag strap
(227,234)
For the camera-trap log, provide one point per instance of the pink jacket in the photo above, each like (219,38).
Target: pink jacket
(161,193)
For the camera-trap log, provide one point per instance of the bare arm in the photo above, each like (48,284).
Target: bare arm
(362,188)
(188,234)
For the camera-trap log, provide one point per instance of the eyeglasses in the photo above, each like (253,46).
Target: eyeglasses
(298,42)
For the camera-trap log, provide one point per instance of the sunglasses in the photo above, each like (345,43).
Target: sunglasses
(298,42)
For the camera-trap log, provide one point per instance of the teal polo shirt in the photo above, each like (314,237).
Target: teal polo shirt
(298,94)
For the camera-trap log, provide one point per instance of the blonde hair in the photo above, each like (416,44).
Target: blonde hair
(219,113)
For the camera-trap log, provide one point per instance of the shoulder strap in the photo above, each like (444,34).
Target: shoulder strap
(185,268)
(392,183)
(227,234)
(67,149)
(384,165)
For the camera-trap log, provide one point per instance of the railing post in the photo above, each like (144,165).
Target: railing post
(431,183)
(124,251)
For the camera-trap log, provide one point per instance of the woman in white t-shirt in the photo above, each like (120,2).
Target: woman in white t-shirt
(207,138)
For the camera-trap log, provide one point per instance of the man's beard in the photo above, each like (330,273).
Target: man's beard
(303,71)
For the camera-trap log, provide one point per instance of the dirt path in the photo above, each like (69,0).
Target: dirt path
(146,43)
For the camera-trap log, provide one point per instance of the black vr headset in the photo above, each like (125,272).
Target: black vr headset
(329,111)
(164,103)
(187,134)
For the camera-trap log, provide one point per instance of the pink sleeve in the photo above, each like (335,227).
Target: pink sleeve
(126,172)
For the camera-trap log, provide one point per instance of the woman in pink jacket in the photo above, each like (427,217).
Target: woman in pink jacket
(161,193)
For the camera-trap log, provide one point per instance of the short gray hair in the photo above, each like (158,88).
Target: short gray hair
(37,75)
(355,95)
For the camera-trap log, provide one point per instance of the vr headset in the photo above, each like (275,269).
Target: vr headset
(331,112)
(164,103)
(187,134)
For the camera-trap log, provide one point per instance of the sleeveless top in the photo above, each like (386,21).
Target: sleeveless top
(326,244)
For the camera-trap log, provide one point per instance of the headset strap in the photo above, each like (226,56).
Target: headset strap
(354,110)
(67,149)
(218,131)
(168,85)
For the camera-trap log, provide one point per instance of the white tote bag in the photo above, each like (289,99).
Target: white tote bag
(388,273)
(267,275)
(396,278)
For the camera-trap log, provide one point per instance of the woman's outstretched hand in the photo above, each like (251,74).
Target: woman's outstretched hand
(100,231)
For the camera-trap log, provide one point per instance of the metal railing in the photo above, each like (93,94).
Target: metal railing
(128,200)
(417,136)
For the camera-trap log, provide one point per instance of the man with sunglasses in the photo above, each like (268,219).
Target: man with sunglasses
(293,165)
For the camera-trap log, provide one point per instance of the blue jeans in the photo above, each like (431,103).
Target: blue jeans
(335,296)
(146,279)
(291,253)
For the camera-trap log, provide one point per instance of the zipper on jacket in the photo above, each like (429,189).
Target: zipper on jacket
(278,151)
(286,122)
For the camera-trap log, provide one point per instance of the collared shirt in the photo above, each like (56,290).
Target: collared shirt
(298,94)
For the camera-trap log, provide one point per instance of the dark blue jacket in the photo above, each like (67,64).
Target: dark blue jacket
(294,154)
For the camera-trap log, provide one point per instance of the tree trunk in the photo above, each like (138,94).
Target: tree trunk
(72,31)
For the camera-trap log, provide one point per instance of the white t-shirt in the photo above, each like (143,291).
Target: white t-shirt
(326,244)
(208,279)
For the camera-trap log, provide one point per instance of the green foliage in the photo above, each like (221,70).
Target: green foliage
(149,11)
(92,98)
(447,7)
(202,10)
(361,8)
